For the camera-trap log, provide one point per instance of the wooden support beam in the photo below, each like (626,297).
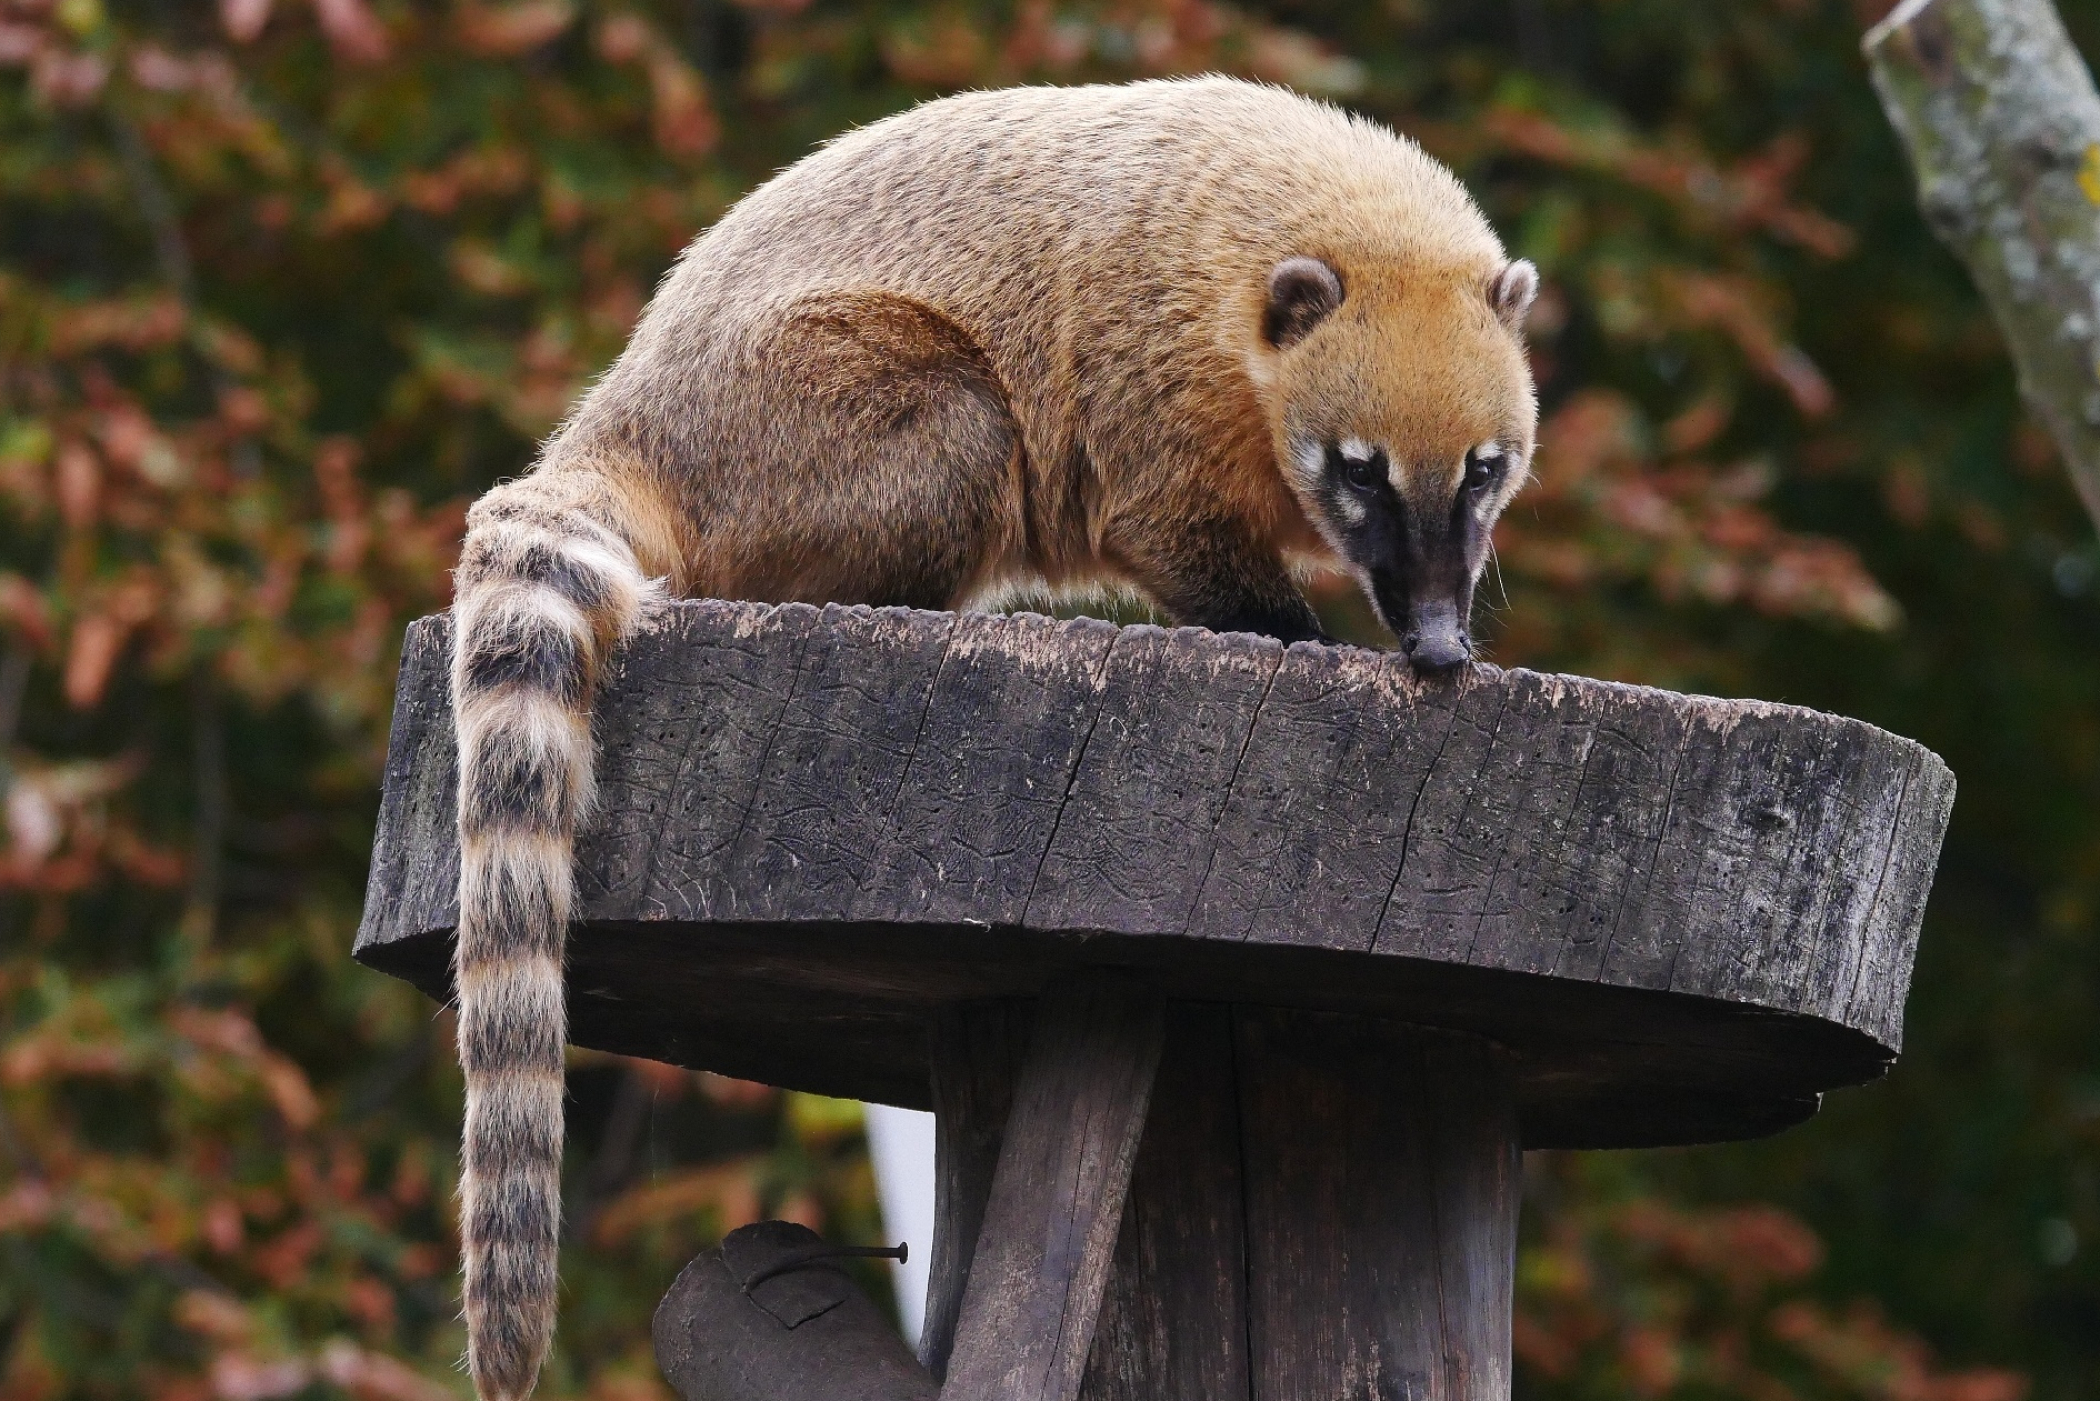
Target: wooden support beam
(1034,1284)
(977,1053)
(1174,1320)
(1382,1177)
(1321,1206)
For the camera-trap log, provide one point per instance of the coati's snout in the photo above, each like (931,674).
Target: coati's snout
(1436,638)
(1418,538)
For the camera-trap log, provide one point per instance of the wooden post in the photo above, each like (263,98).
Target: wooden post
(1381,1175)
(1032,1288)
(1374,934)
(1323,1206)
(977,1051)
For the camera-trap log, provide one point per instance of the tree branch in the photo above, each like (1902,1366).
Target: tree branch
(2003,127)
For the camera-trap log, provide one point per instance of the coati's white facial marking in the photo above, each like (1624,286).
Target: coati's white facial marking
(1310,460)
(1483,479)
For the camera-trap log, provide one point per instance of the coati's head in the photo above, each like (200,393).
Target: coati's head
(1403,413)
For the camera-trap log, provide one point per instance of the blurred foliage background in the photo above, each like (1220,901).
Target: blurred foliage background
(283,283)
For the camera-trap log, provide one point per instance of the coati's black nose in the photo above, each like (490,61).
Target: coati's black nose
(1436,638)
(1436,651)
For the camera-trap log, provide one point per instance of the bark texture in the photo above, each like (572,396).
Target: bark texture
(2003,127)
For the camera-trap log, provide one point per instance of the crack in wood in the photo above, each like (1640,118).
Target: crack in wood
(1888,857)
(1231,782)
(1407,829)
(1662,834)
(1072,774)
(1487,892)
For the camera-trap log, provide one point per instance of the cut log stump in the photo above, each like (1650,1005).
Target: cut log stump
(1376,934)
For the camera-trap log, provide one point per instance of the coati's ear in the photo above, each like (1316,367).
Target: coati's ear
(1303,292)
(1511,292)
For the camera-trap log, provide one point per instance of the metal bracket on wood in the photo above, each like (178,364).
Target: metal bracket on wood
(767,1317)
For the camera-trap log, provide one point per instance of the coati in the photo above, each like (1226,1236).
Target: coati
(1181,336)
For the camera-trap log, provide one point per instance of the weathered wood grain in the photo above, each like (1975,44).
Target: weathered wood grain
(977,1052)
(1173,1323)
(1684,917)
(1034,1283)
(1322,1206)
(1381,1178)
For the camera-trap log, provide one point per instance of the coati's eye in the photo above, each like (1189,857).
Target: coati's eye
(1362,473)
(1482,465)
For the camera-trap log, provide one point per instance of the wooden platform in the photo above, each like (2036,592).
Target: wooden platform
(1682,919)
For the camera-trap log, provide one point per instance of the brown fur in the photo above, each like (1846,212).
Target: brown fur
(1010,340)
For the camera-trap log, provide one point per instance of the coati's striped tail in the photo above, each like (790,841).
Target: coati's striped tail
(543,593)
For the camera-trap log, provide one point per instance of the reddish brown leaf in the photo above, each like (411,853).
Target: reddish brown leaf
(243,20)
